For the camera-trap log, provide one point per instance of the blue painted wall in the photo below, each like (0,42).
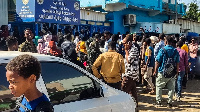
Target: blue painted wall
(145,4)
(141,16)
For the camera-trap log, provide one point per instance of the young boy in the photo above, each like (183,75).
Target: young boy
(22,73)
(12,43)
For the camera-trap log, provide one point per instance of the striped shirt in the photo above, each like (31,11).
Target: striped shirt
(132,68)
(158,46)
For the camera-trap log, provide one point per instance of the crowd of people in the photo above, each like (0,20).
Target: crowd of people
(122,61)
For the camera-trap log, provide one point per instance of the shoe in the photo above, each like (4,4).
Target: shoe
(158,104)
(178,99)
(169,105)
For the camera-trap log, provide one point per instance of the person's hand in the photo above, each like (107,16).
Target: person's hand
(176,76)
(126,47)
(145,68)
(154,74)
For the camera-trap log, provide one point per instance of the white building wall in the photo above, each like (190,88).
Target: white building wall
(92,15)
(3,12)
(147,26)
(190,26)
(172,1)
(171,28)
(166,1)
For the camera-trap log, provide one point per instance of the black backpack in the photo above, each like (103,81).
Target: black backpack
(170,69)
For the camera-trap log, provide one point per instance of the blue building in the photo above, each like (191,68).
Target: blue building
(112,15)
(130,15)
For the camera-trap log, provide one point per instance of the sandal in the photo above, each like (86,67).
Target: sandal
(151,92)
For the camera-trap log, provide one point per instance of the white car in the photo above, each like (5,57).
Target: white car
(69,87)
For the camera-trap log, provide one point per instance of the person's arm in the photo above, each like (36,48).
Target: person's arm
(122,64)
(127,55)
(132,54)
(21,47)
(177,62)
(158,61)
(186,63)
(148,59)
(177,68)
(95,66)
(156,49)
(196,47)
(157,64)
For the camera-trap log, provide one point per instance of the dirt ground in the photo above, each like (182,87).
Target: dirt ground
(190,100)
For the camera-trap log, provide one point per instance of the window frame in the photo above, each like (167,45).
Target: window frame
(94,82)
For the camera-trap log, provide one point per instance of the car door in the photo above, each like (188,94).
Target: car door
(70,90)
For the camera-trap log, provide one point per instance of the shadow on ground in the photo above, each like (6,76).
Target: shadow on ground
(190,100)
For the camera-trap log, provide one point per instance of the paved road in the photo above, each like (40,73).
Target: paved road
(190,101)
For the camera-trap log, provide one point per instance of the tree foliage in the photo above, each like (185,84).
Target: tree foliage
(193,12)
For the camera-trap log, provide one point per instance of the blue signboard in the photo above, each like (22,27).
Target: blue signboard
(50,11)
(25,10)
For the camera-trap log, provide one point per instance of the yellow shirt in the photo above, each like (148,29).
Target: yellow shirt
(112,66)
(83,47)
(185,47)
(148,52)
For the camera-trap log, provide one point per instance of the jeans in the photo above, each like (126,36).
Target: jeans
(161,82)
(192,66)
(148,78)
(115,85)
(129,86)
(179,83)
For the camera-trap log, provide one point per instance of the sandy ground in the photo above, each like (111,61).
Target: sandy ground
(190,101)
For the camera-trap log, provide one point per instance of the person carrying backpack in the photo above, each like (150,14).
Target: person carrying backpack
(167,66)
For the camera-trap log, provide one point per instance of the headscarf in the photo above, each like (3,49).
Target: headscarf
(53,49)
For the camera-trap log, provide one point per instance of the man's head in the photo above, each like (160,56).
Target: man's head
(134,37)
(107,35)
(193,40)
(147,41)
(101,43)
(115,37)
(68,37)
(183,39)
(112,45)
(22,73)
(169,40)
(161,36)
(174,43)
(179,44)
(127,41)
(76,34)
(97,37)
(28,34)
(12,43)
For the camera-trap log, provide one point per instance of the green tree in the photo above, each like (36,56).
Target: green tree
(193,12)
